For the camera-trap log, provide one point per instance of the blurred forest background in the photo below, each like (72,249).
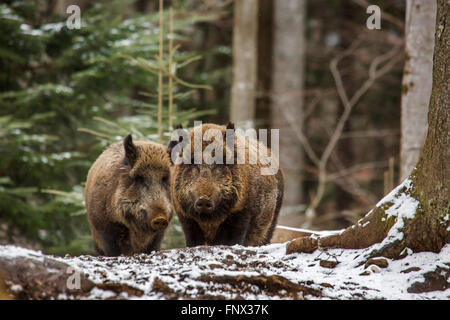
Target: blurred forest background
(311,68)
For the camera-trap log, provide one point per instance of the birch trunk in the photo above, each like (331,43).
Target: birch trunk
(416,87)
(245,37)
(287,90)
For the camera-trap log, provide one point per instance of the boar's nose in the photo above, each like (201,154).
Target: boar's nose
(204,205)
(159,223)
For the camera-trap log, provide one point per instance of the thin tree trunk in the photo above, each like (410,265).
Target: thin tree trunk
(245,37)
(418,212)
(265,36)
(287,90)
(60,6)
(416,88)
(345,151)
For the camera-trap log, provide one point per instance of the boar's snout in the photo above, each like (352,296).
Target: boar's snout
(204,205)
(159,223)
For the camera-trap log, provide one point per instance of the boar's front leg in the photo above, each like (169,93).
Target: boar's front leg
(155,244)
(233,230)
(192,232)
(114,239)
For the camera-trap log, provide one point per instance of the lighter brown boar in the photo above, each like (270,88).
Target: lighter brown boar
(128,198)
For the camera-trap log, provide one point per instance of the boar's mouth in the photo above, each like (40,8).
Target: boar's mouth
(141,222)
(138,222)
(221,211)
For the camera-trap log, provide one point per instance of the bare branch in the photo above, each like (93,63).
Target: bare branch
(302,138)
(370,133)
(358,167)
(374,73)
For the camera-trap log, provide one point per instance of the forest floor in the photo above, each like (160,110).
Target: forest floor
(226,273)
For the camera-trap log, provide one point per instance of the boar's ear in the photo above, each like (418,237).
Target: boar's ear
(131,152)
(230,125)
(173,143)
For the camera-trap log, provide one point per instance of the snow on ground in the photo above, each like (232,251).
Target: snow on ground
(235,272)
(315,232)
(184,270)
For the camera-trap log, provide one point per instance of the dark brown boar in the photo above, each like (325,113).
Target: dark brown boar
(128,198)
(225,203)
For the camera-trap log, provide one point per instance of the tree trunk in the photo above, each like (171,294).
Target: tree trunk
(60,6)
(287,90)
(245,37)
(416,214)
(432,177)
(345,151)
(416,89)
(265,36)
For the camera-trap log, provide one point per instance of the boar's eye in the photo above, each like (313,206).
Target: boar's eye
(165,179)
(139,179)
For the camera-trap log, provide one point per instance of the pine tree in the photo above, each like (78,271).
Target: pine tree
(65,95)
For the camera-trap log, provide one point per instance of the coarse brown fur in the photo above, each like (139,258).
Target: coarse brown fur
(128,197)
(244,203)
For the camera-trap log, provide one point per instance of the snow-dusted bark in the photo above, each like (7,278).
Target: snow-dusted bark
(419,31)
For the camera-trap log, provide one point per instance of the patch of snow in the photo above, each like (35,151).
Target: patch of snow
(13,252)
(100,294)
(123,43)
(181,269)
(53,27)
(16,288)
(28,30)
(319,233)
(403,207)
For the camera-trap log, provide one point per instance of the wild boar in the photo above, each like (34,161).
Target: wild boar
(224,203)
(128,197)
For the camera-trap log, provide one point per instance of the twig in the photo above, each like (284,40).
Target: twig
(358,167)
(160,72)
(302,138)
(391,173)
(351,185)
(171,69)
(95,133)
(369,133)
(348,103)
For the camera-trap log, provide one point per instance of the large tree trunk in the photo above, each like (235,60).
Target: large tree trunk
(287,90)
(432,177)
(415,215)
(245,37)
(420,22)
